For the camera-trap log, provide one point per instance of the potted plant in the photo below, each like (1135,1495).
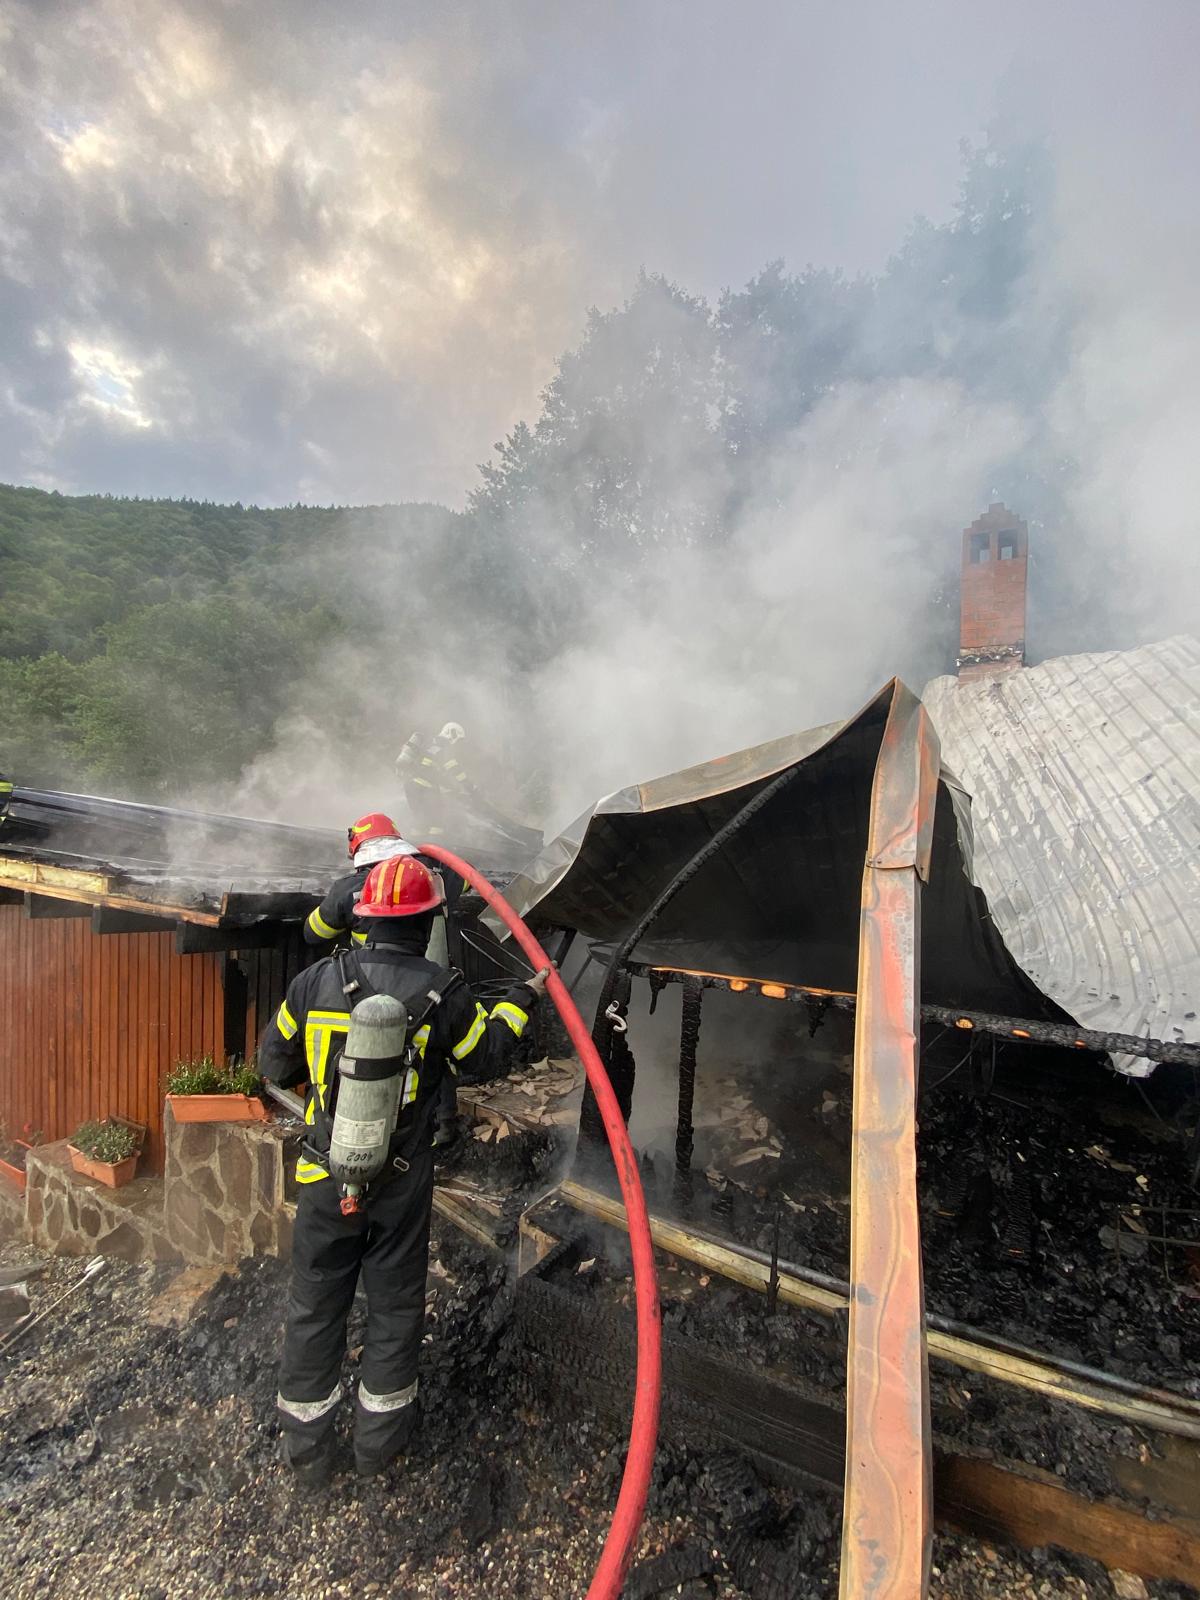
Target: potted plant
(107,1151)
(12,1155)
(200,1091)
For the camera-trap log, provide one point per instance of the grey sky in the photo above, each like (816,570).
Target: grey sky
(299,249)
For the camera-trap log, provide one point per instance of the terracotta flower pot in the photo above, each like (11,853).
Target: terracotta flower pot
(217,1108)
(111,1173)
(12,1174)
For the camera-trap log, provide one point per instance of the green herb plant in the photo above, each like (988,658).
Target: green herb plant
(106,1141)
(202,1076)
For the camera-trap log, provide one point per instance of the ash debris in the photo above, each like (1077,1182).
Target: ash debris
(140,1461)
(1042,1218)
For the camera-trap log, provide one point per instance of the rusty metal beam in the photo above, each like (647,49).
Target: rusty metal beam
(887,1516)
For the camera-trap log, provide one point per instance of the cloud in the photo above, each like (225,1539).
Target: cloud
(332,277)
(343,245)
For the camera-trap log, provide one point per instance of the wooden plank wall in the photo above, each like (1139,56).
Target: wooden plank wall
(90,1023)
(268,973)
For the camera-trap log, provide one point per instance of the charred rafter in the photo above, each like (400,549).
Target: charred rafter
(1019,1030)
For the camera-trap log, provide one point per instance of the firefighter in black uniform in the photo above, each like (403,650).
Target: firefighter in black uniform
(442,797)
(389,1242)
(6,790)
(372,839)
(435,780)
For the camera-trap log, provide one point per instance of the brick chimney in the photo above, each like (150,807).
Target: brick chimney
(995,556)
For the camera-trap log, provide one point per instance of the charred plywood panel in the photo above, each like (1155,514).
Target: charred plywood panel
(94,1021)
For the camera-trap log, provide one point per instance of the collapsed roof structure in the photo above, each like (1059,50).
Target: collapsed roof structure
(848,866)
(190,867)
(1084,777)
(1065,876)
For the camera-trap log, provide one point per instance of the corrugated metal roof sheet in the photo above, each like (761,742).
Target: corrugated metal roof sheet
(1084,774)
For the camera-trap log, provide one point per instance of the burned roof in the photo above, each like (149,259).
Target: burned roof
(781,901)
(1065,880)
(1084,776)
(190,865)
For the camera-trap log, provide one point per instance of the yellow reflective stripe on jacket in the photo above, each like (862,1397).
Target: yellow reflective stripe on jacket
(320,927)
(285,1021)
(472,1036)
(320,1028)
(412,1078)
(359,938)
(513,1015)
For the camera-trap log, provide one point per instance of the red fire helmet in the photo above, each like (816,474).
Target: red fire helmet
(399,887)
(373,826)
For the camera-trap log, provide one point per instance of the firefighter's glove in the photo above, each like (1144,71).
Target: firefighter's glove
(537,984)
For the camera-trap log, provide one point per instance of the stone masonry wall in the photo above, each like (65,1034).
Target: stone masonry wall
(226,1194)
(226,1189)
(74,1216)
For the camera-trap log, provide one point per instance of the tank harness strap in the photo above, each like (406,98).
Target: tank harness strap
(356,988)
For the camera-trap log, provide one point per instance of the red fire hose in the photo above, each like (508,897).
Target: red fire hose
(643,1432)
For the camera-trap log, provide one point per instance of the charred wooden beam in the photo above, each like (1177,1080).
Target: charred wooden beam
(284,905)
(114,919)
(968,1348)
(476,1221)
(191,940)
(91,889)
(689,1036)
(886,1523)
(45,908)
(1031,1508)
(581,1353)
(1018,1030)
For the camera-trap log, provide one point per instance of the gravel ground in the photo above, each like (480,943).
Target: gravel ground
(138,1461)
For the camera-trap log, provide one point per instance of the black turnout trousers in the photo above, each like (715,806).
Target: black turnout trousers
(389,1245)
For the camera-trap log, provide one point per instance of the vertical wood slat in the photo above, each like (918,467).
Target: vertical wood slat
(92,1022)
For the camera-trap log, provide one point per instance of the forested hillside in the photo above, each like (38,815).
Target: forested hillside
(148,646)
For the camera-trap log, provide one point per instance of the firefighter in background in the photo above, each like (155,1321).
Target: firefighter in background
(441,795)
(435,780)
(388,1243)
(6,790)
(372,839)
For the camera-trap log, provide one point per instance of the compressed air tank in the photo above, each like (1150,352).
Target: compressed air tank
(370,1079)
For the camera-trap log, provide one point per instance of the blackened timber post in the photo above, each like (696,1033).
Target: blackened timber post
(689,1036)
(610,1036)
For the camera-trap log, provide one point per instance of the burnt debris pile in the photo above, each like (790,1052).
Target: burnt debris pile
(1066,1223)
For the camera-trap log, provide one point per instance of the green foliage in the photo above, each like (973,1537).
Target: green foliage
(106,1141)
(241,1078)
(203,1076)
(148,646)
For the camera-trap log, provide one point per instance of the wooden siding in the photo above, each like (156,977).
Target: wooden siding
(267,975)
(90,1023)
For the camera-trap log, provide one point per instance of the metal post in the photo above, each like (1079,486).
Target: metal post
(886,1520)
